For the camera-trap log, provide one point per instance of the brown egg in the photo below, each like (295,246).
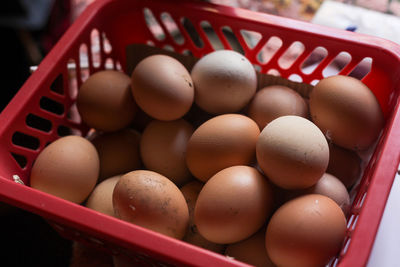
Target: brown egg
(346,111)
(162,87)
(151,200)
(275,101)
(292,152)
(221,142)
(224,81)
(344,164)
(251,250)
(330,186)
(233,205)
(118,152)
(305,232)
(105,101)
(191,191)
(163,149)
(67,168)
(101,197)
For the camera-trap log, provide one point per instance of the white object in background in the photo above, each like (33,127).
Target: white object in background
(345,16)
(385,252)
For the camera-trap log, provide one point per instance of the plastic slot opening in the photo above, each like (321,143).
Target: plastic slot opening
(73,114)
(337,64)
(153,25)
(21,160)
(213,38)
(57,86)
(38,123)
(51,106)
(362,68)
(191,31)
(84,62)
(313,60)
(269,49)
(232,40)
(274,72)
(295,78)
(172,28)
(251,38)
(72,79)
(25,140)
(95,48)
(291,55)
(107,48)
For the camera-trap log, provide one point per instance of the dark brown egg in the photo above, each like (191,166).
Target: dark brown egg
(275,101)
(163,149)
(118,152)
(105,101)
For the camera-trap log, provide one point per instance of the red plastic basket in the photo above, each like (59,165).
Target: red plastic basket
(44,108)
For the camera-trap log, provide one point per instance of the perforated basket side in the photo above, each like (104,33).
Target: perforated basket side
(43,109)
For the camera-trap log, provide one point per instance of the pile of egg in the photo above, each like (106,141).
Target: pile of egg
(203,155)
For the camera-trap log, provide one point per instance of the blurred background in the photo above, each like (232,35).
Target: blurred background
(30,28)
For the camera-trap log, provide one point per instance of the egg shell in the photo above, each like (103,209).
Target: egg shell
(223,141)
(163,149)
(275,101)
(191,192)
(251,250)
(233,205)
(345,164)
(101,197)
(67,168)
(346,111)
(305,232)
(162,87)
(292,152)
(105,101)
(224,81)
(151,200)
(330,186)
(118,152)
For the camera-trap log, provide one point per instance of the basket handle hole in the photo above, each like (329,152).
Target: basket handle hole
(153,25)
(73,114)
(362,69)
(57,85)
(107,48)
(191,31)
(314,60)
(21,160)
(72,79)
(291,54)
(84,62)
(337,64)
(251,38)
(51,106)
(25,140)
(38,123)
(172,28)
(95,47)
(212,36)
(269,49)
(232,40)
